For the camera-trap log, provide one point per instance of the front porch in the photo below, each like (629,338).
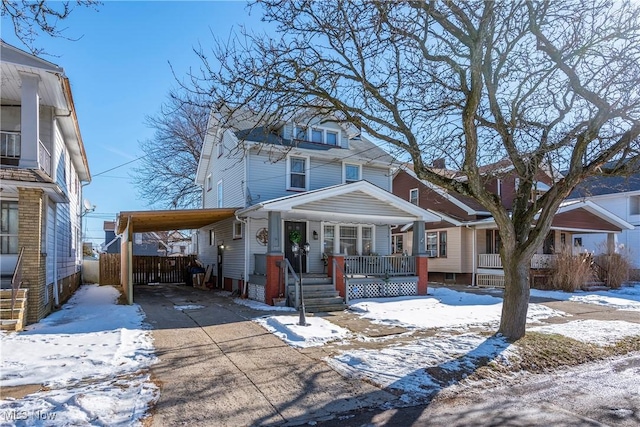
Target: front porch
(491,274)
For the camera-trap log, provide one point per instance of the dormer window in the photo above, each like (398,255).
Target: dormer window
(300,133)
(316,134)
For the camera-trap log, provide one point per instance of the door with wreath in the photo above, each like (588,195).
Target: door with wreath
(296,230)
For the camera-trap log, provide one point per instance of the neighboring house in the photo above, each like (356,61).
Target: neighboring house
(150,244)
(315,179)
(179,244)
(620,196)
(464,247)
(43,169)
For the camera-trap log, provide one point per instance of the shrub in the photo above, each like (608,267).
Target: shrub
(570,272)
(617,266)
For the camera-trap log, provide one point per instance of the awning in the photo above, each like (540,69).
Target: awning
(166,220)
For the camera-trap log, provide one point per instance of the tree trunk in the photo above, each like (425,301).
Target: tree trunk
(516,297)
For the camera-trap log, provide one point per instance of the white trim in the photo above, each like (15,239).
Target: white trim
(336,235)
(209,182)
(344,171)
(234,233)
(307,169)
(417,191)
(219,194)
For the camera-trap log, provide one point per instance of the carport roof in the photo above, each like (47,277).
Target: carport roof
(165,220)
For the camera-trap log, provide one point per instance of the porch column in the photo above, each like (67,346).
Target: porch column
(275,254)
(29,121)
(419,251)
(339,277)
(611,243)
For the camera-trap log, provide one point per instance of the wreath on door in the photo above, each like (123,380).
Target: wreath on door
(295,236)
(262,236)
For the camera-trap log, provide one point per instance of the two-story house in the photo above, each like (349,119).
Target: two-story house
(306,180)
(620,196)
(464,247)
(43,169)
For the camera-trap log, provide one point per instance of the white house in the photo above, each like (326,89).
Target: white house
(43,168)
(307,180)
(620,196)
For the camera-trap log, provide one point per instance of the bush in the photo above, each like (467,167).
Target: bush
(617,267)
(570,272)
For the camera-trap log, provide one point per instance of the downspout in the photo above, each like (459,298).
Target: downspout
(246,256)
(473,257)
(56,296)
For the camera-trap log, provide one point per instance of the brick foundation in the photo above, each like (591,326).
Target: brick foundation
(273,276)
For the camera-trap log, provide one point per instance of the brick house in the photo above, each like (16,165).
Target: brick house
(44,166)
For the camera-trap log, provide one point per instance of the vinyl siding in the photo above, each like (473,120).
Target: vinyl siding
(354,203)
(233,258)
(453,262)
(377,176)
(255,247)
(230,169)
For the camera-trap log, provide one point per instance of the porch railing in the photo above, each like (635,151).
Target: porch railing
(10,147)
(539,261)
(44,158)
(286,268)
(380,266)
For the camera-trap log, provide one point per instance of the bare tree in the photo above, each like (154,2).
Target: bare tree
(166,175)
(545,85)
(32,18)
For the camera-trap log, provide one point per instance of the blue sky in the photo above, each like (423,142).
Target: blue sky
(119,72)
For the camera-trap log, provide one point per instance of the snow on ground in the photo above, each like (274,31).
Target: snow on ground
(256,305)
(409,368)
(624,298)
(92,356)
(188,307)
(600,332)
(442,308)
(317,332)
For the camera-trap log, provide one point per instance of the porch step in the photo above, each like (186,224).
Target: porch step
(594,286)
(310,280)
(319,295)
(13,319)
(324,304)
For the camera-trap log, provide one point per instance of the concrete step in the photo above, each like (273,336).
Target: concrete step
(308,287)
(6,303)
(320,301)
(8,314)
(8,325)
(338,306)
(6,293)
(313,280)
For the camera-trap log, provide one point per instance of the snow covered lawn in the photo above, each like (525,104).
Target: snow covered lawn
(92,357)
(416,369)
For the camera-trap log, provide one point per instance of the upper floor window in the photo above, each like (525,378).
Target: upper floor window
(319,135)
(413,196)
(219,149)
(9,228)
(237,230)
(351,173)
(300,132)
(297,173)
(209,182)
(634,205)
(219,194)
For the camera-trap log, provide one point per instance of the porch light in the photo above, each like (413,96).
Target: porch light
(315,235)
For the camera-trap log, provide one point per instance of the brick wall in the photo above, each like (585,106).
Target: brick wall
(30,226)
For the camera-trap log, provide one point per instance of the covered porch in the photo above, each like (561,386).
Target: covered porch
(346,230)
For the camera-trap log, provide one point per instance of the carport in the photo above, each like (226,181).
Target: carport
(130,222)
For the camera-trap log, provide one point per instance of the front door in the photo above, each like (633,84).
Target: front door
(301,228)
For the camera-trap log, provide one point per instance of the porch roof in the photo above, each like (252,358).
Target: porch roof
(359,201)
(165,220)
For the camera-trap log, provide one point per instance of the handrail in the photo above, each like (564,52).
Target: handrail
(44,158)
(601,272)
(288,268)
(16,280)
(336,267)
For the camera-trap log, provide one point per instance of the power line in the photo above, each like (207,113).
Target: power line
(119,166)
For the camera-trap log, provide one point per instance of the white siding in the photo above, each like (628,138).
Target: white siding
(230,169)
(382,240)
(377,176)
(266,178)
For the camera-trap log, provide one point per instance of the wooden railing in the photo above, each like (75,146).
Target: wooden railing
(380,265)
(539,261)
(16,279)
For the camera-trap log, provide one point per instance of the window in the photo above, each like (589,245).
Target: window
(442,245)
(219,194)
(297,173)
(577,242)
(367,241)
(436,244)
(493,242)
(329,238)
(351,173)
(9,228)
(413,196)
(634,205)
(332,138)
(212,237)
(397,243)
(563,240)
(209,182)
(237,230)
(432,243)
(317,136)
(219,149)
(349,240)
(300,133)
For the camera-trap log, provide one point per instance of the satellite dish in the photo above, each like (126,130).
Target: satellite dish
(88,207)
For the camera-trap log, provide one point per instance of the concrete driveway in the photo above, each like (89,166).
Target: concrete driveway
(217,367)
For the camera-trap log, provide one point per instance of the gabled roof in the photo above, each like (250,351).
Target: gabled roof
(321,204)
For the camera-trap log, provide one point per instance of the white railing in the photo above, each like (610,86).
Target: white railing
(380,265)
(10,145)
(489,261)
(490,280)
(539,261)
(44,158)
